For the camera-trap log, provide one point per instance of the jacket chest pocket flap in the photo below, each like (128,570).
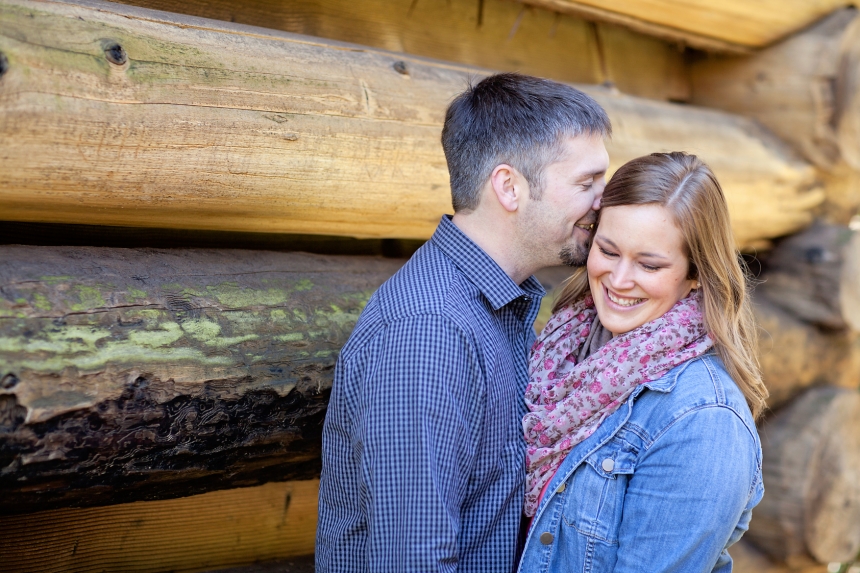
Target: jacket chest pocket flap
(596,499)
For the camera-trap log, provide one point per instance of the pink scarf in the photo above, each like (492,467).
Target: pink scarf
(568,401)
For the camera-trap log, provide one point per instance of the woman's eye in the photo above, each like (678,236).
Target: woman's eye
(605,252)
(650,268)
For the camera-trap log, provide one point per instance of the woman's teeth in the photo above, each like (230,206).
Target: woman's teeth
(623,301)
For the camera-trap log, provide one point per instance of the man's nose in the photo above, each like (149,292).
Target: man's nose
(598,194)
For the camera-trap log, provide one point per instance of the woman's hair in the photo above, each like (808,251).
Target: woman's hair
(685,186)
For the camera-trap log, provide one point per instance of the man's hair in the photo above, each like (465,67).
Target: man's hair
(522,121)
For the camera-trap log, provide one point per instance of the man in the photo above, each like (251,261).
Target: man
(423,453)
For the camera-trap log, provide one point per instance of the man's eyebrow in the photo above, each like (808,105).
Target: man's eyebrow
(640,253)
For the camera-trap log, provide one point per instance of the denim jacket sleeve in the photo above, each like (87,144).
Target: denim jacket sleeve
(690,492)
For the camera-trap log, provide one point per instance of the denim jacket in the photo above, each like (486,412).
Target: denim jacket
(666,483)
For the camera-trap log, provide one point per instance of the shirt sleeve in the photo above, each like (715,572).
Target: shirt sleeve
(422,409)
(690,496)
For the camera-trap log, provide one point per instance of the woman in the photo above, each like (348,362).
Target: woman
(642,449)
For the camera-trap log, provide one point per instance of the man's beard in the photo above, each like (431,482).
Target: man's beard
(576,255)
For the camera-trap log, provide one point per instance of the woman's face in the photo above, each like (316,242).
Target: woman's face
(637,266)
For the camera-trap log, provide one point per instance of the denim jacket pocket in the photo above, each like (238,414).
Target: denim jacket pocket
(594,505)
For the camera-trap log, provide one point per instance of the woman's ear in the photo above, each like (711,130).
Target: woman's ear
(508,186)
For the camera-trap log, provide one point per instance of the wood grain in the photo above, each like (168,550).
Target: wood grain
(219,126)
(509,37)
(753,24)
(138,374)
(199,533)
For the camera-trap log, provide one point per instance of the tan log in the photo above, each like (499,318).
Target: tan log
(805,89)
(132,374)
(209,125)
(495,34)
(730,25)
(210,531)
(811,469)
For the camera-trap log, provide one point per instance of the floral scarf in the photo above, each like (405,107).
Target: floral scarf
(568,397)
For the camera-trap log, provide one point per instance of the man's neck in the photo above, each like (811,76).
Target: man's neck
(497,241)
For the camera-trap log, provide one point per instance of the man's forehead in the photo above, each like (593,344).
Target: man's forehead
(586,154)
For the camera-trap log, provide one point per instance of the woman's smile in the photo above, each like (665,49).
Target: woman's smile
(624,302)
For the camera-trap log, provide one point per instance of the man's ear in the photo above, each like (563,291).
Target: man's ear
(509,186)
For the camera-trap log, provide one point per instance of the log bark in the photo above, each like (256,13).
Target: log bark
(813,275)
(134,374)
(811,469)
(793,87)
(205,125)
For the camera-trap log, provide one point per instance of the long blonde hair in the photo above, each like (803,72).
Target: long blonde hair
(687,187)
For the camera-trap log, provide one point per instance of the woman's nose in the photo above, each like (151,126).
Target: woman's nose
(621,277)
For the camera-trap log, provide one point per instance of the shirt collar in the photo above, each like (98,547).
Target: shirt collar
(480,269)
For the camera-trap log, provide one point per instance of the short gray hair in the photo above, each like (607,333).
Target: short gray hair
(519,120)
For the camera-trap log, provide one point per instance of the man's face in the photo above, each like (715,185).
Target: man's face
(557,228)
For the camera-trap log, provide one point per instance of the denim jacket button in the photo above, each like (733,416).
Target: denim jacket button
(561,488)
(546,538)
(608,465)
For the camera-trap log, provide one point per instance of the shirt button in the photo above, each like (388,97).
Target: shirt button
(561,488)
(608,465)
(546,538)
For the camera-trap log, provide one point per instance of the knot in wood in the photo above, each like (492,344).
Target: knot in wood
(115,54)
(400,67)
(4,64)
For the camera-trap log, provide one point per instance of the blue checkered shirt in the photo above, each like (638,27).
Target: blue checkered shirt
(423,452)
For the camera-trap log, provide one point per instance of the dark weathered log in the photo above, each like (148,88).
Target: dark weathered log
(811,469)
(813,275)
(210,125)
(144,374)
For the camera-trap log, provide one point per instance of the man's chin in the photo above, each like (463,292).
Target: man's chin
(574,256)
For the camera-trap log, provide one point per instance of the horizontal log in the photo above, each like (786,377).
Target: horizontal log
(729,22)
(144,374)
(502,35)
(208,125)
(811,471)
(203,532)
